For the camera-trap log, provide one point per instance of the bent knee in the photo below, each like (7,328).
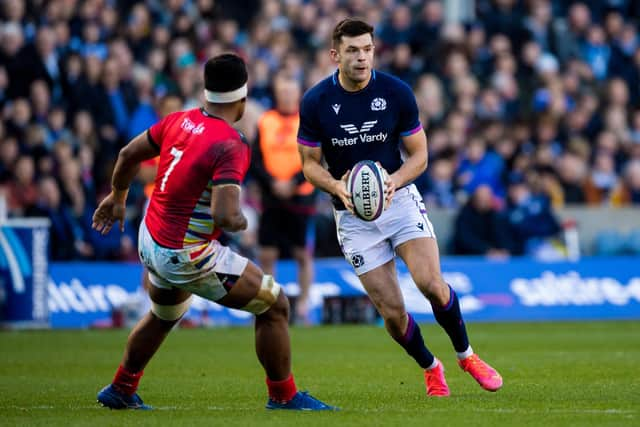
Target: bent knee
(269,293)
(434,287)
(393,313)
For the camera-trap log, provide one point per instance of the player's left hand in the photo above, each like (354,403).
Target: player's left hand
(389,187)
(109,211)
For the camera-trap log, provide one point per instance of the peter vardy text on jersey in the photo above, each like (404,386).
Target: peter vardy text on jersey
(343,142)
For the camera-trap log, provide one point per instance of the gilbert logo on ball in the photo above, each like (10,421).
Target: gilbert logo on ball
(366,185)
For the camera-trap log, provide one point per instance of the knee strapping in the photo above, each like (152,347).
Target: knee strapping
(266,297)
(171,313)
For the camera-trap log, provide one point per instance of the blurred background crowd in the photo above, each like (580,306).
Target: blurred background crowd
(528,105)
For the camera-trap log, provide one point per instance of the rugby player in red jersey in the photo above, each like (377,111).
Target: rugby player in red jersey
(203,160)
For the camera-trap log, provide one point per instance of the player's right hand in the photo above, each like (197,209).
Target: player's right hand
(343,193)
(108,212)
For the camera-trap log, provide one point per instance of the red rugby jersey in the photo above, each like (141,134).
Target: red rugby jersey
(197,151)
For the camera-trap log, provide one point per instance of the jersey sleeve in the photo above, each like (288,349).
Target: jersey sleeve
(409,120)
(308,133)
(231,161)
(155,133)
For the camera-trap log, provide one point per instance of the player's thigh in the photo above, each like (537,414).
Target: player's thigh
(383,289)
(362,243)
(244,289)
(166,296)
(423,261)
(209,270)
(406,219)
(168,304)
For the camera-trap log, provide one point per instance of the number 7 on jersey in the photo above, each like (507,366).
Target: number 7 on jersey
(177,155)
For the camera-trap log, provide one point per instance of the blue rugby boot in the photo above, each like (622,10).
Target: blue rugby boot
(110,397)
(302,401)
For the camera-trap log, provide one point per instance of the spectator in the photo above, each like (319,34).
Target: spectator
(596,52)
(4,86)
(56,129)
(602,181)
(426,29)
(479,166)
(402,65)
(440,189)
(570,32)
(19,118)
(538,24)
(572,171)
(287,198)
(144,114)
(430,99)
(627,192)
(553,72)
(21,190)
(530,217)
(397,29)
(62,242)
(9,152)
(504,18)
(117,99)
(480,229)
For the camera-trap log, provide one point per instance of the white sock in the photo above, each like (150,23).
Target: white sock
(434,364)
(468,352)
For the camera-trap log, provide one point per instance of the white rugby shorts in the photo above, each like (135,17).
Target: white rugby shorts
(202,269)
(370,244)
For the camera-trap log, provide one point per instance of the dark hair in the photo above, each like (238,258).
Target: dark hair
(351,28)
(224,73)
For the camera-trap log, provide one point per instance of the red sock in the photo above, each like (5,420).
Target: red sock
(125,381)
(282,391)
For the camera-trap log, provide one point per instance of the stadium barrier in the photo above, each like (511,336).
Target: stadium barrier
(24,274)
(99,294)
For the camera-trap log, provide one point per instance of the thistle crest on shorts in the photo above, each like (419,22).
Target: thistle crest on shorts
(357,260)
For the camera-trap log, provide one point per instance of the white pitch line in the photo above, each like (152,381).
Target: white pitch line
(611,411)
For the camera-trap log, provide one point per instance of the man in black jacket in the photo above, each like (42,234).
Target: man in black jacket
(480,228)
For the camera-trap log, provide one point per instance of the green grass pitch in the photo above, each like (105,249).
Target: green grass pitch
(556,374)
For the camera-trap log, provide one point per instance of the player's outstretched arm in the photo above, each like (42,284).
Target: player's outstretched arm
(112,209)
(321,178)
(225,207)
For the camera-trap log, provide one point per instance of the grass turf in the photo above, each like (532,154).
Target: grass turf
(556,374)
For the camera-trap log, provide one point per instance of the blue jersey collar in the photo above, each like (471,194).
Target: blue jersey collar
(336,82)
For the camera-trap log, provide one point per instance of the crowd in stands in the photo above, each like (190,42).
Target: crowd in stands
(533,105)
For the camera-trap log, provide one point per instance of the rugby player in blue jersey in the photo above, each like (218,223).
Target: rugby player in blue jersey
(356,114)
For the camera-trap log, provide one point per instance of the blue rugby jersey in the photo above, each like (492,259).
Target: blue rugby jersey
(362,125)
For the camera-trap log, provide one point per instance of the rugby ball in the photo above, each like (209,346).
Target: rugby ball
(366,185)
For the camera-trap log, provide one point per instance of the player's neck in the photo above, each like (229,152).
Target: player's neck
(224,113)
(351,86)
